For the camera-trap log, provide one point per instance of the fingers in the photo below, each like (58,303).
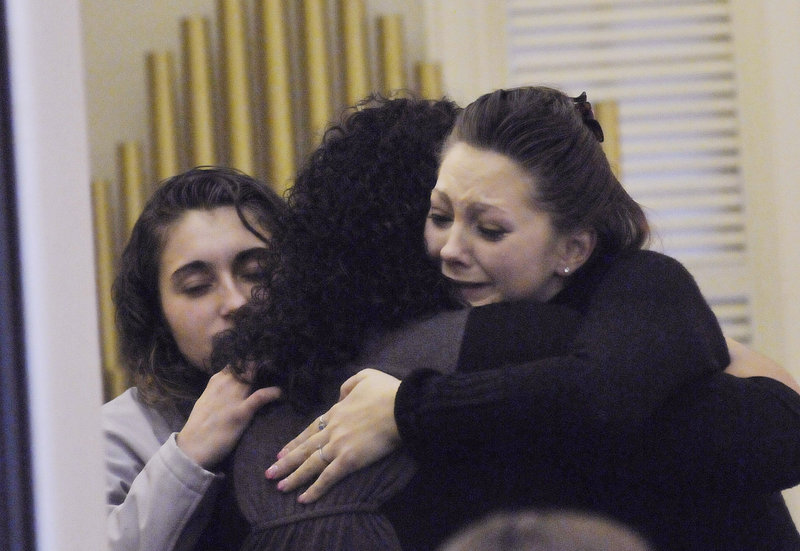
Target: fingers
(300,439)
(317,462)
(312,466)
(295,455)
(329,476)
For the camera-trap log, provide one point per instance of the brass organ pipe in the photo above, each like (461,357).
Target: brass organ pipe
(277,92)
(237,93)
(318,80)
(354,42)
(607,114)
(198,93)
(165,148)
(114,376)
(390,29)
(132,182)
(429,80)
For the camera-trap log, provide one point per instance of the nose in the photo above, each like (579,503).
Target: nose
(455,248)
(233,296)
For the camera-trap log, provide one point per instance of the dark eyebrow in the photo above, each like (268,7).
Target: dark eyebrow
(441,195)
(188,269)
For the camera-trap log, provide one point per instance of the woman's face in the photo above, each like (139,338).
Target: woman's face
(490,238)
(207,269)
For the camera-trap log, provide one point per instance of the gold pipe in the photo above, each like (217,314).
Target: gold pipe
(162,109)
(429,79)
(277,95)
(198,94)
(354,42)
(113,375)
(130,155)
(390,32)
(238,100)
(318,80)
(607,114)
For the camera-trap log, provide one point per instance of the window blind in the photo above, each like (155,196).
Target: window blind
(669,67)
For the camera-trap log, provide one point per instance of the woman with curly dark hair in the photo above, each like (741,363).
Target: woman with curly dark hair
(628,420)
(192,259)
(324,304)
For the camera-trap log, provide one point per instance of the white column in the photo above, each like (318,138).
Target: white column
(59,304)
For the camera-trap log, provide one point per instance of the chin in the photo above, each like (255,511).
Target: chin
(481,301)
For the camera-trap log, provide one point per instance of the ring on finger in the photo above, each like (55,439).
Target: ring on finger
(322,423)
(322,455)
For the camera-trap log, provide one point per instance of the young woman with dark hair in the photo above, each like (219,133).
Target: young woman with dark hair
(192,259)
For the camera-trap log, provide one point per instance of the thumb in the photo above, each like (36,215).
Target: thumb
(262,397)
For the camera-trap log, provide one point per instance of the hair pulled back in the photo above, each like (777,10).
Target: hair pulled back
(555,140)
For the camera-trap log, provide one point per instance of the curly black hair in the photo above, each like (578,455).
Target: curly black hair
(352,260)
(150,354)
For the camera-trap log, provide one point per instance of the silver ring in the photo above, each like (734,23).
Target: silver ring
(322,455)
(322,423)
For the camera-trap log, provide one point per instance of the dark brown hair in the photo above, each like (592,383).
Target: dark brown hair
(544,132)
(150,353)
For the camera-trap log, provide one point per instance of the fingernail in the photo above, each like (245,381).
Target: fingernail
(281,485)
(271,472)
(281,453)
(301,498)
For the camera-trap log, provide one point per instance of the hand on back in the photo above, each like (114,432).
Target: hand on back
(357,431)
(219,417)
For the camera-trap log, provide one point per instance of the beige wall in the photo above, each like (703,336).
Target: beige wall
(768,67)
(770,129)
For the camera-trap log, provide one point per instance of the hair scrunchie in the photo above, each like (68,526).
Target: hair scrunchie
(585,109)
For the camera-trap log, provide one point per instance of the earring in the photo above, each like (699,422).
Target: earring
(566,270)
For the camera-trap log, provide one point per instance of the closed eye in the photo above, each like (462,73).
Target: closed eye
(196,290)
(492,234)
(439,220)
(250,265)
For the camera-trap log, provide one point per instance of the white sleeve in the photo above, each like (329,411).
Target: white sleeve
(157,498)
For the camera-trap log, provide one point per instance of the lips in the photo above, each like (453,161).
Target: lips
(472,292)
(465,284)
(469,285)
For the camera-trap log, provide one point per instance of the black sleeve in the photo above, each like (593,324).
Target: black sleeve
(507,333)
(645,331)
(723,434)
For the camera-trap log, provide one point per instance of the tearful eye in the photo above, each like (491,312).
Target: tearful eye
(492,234)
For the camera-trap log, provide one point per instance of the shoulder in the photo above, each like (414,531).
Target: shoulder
(648,269)
(426,343)
(127,414)
(646,260)
(630,279)
(123,406)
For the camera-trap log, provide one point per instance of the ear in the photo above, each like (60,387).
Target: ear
(576,248)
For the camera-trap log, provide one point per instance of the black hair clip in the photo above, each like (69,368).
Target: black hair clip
(585,109)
